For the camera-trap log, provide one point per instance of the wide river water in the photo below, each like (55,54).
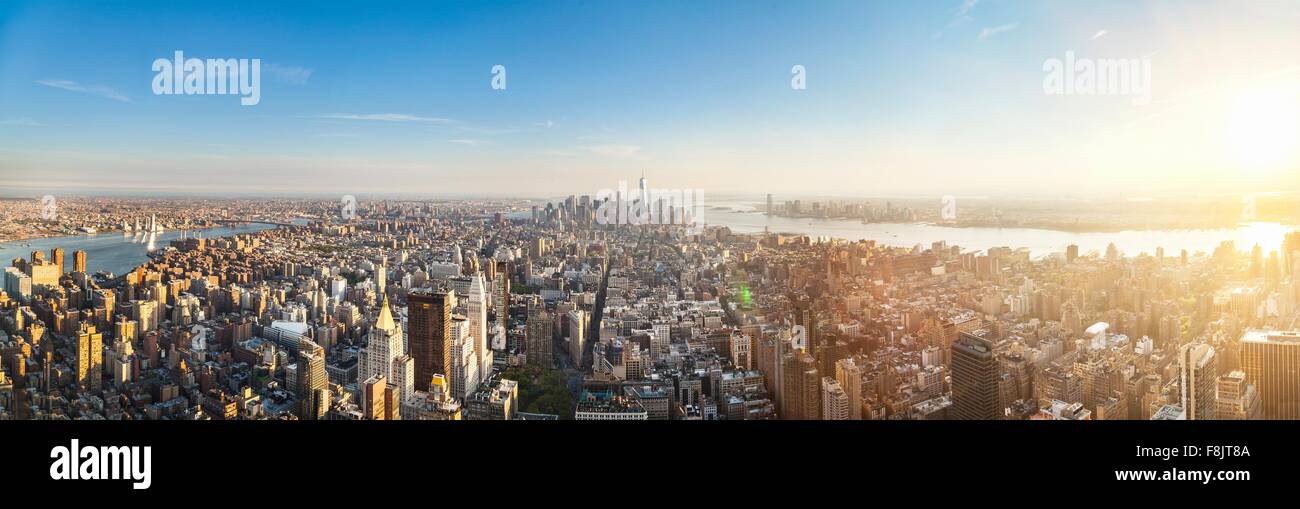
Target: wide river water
(118,253)
(742,218)
(114,251)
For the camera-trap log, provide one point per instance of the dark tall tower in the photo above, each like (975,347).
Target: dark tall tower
(974,379)
(539,335)
(429,318)
(313,382)
(79,261)
(806,316)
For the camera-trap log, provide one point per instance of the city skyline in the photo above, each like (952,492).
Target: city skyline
(905,99)
(751,235)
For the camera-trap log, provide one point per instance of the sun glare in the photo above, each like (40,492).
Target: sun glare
(1264,129)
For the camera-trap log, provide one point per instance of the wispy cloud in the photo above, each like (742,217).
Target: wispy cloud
(966,7)
(385,117)
(960,16)
(992,31)
(465,142)
(547,124)
(294,74)
(1101,33)
(98,90)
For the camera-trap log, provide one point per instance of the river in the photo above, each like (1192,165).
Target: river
(742,218)
(114,251)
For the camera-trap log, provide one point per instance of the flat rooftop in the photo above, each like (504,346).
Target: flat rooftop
(1267,336)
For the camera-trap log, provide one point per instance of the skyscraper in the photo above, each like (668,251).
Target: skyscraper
(1198,381)
(806,317)
(501,294)
(476,311)
(1271,361)
(462,372)
(90,357)
(79,261)
(835,403)
(383,348)
(577,335)
(849,376)
(57,255)
(539,335)
(800,386)
(644,199)
(313,381)
(429,340)
(974,379)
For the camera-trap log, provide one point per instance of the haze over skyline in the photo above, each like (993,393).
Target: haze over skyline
(909,98)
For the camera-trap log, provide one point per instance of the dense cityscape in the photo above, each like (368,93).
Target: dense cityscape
(527,310)
(890,236)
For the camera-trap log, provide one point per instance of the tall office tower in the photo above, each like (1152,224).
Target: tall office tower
(1237,399)
(1198,381)
(538,335)
(501,294)
(56,254)
(463,370)
(383,348)
(787,386)
(90,357)
(1071,252)
(313,382)
(429,340)
(1271,361)
(644,198)
(125,330)
(801,387)
(104,298)
(577,336)
(974,379)
(806,317)
(810,387)
(381,278)
(476,309)
(770,210)
(849,375)
(144,312)
(835,402)
(159,295)
(403,377)
(338,288)
(17,284)
(79,261)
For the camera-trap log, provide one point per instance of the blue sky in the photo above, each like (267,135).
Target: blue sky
(383,97)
